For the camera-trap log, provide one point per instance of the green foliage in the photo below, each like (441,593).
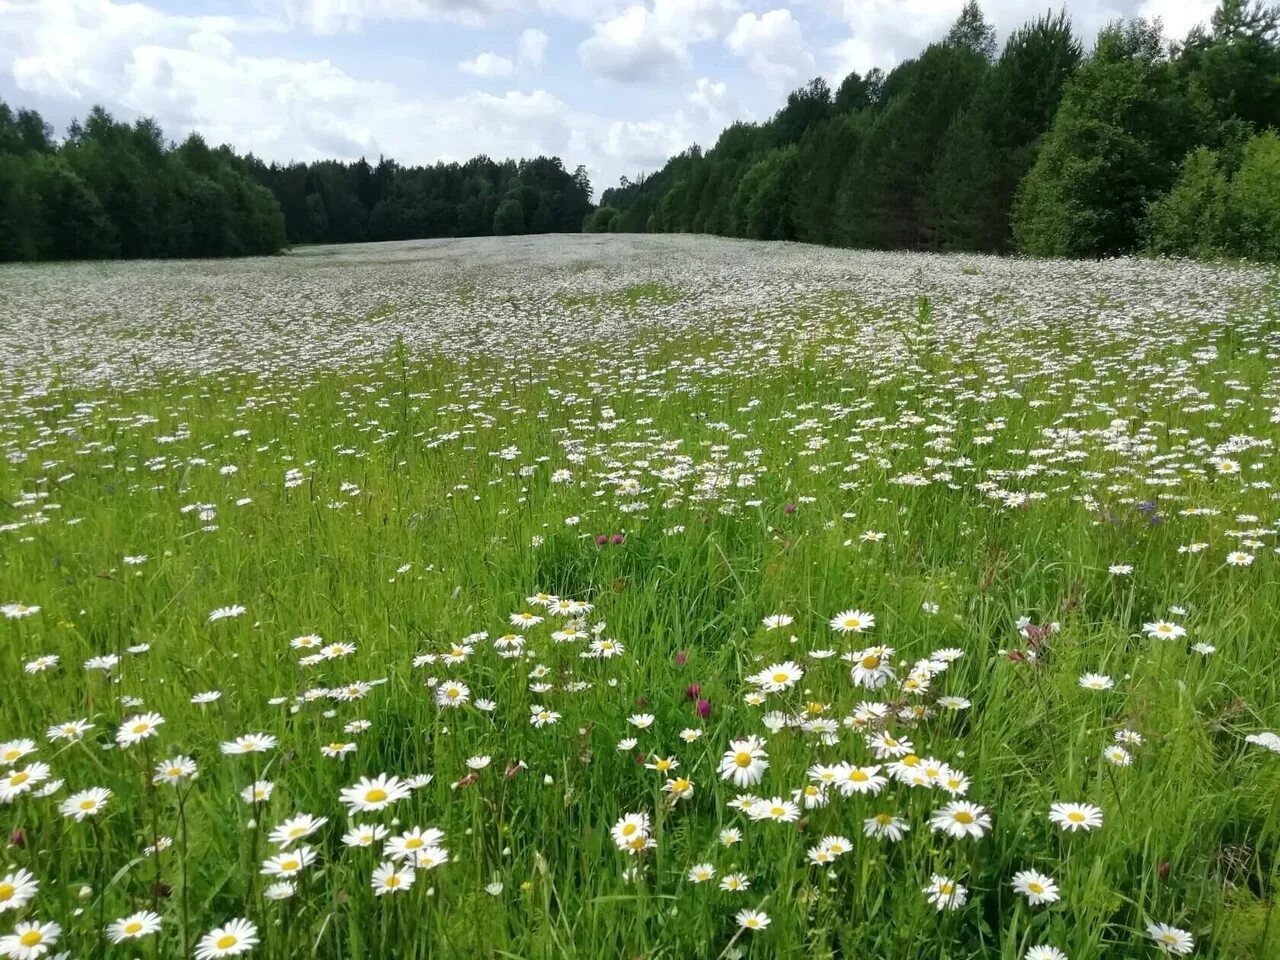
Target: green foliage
(600,220)
(1191,219)
(1123,123)
(121,190)
(1035,151)
(509,218)
(993,143)
(1254,201)
(1213,210)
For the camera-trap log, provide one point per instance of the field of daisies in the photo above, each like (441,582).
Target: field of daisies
(639,597)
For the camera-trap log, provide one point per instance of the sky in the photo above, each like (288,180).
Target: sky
(617,85)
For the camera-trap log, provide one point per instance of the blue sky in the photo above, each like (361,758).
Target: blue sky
(617,85)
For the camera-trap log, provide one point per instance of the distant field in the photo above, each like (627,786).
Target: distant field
(639,597)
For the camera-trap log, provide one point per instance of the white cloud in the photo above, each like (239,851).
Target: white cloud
(773,46)
(713,103)
(532,49)
(342,16)
(633,46)
(652,43)
(487,65)
(338,16)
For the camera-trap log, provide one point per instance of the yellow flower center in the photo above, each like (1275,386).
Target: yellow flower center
(375,795)
(289,865)
(413,843)
(12,754)
(871,662)
(19,778)
(742,758)
(964,816)
(393,880)
(629,829)
(777,811)
(1035,888)
(31,938)
(781,677)
(680,785)
(226,941)
(133,926)
(1075,816)
(86,804)
(7,890)
(859,776)
(141,727)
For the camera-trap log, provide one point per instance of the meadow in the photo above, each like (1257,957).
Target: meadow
(639,597)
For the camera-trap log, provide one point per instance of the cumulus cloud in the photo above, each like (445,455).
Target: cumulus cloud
(713,103)
(773,46)
(344,16)
(532,48)
(653,43)
(487,65)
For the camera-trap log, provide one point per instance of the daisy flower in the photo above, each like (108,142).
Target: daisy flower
(1076,816)
(885,826)
(1171,939)
(364,836)
(744,762)
(230,940)
(852,621)
(735,883)
(389,877)
(138,728)
(30,939)
(701,873)
(752,919)
(1036,887)
(136,925)
(249,743)
(1044,952)
(295,829)
(288,864)
(961,819)
(17,889)
(367,796)
(86,803)
(945,894)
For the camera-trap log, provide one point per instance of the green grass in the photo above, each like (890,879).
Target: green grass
(438,536)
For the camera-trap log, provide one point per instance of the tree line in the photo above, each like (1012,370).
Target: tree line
(113,189)
(1143,144)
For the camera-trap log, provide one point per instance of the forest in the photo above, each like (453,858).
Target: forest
(1140,144)
(112,189)
(1143,144)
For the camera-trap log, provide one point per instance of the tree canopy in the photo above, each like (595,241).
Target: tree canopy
(1038,148)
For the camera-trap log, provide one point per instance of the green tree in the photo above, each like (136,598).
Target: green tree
(993,143)
(1113,147)
(1191,219)
(509,218)
(1253,202)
